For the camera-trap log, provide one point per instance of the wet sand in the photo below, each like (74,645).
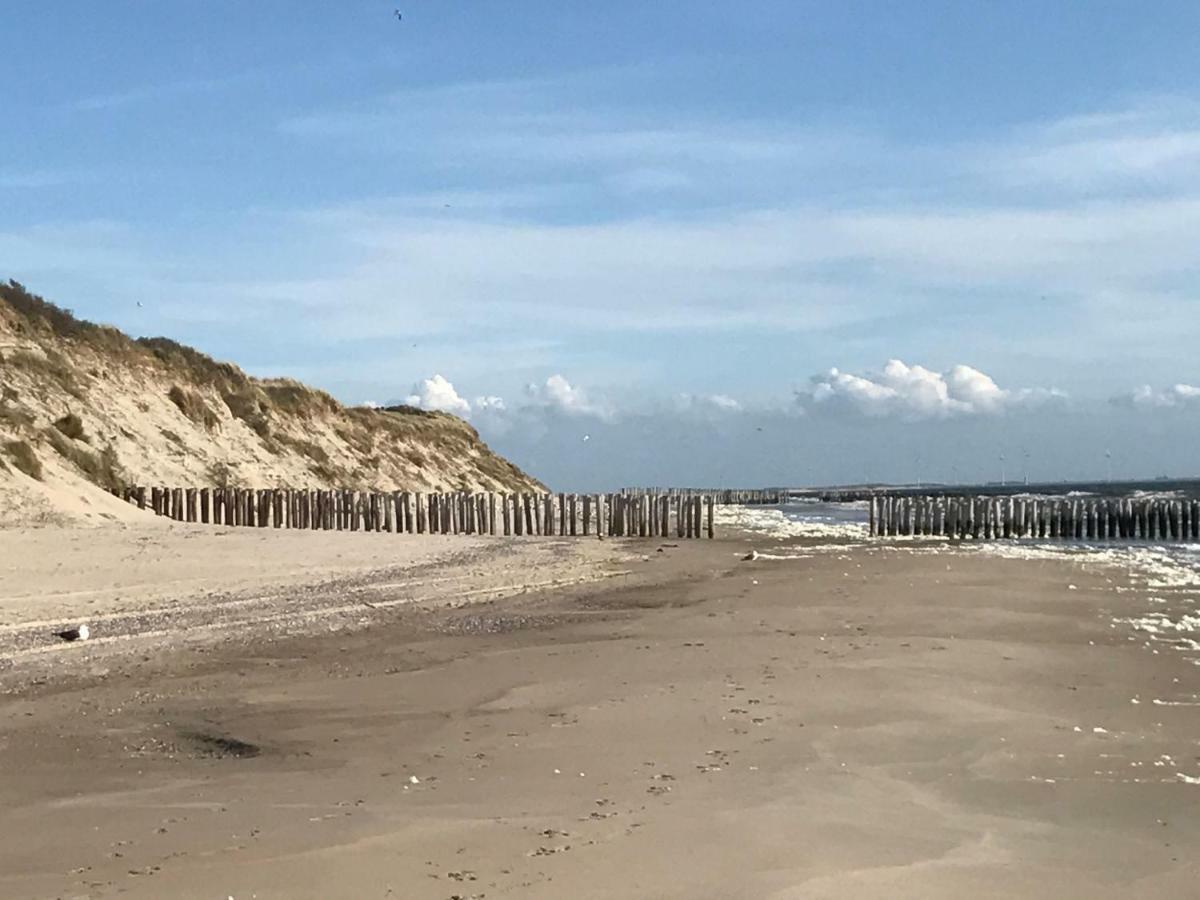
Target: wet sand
(862,723)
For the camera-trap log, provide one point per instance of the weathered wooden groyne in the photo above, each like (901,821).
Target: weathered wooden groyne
(722,496)
(1041,518)
(644,515)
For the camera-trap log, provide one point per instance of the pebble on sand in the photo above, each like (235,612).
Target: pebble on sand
(78,633)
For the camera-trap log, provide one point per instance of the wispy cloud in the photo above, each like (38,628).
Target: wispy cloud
(31,179)
(147,93)
(1153,143)
(572,125)
(567,222)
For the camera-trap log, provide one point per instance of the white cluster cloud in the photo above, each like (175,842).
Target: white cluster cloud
(559,394)
(437,393)
(490,404)
(916,392)
(723,401)
(1146,397)
(704,405)
(555,394)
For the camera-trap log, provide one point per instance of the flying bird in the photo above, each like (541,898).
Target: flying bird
(399,17)
(73,634)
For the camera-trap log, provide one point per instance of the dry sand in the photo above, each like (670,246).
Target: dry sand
(861,723)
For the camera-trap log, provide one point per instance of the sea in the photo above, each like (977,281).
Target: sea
(1175,566)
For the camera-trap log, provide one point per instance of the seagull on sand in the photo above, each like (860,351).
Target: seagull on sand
(79,633)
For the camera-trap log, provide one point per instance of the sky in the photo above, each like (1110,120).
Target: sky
(686,243)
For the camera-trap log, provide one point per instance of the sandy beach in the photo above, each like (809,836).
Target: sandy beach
(859,721)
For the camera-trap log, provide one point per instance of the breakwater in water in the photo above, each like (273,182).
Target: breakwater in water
(1043,518)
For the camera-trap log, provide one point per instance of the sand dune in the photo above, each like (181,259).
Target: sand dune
(84,408)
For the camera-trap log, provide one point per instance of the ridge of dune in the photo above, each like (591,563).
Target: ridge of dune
(85,408)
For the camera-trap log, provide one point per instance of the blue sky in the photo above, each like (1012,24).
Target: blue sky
(658,225)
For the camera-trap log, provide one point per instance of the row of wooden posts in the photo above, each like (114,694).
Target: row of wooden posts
(1058,518)
(407,512)
(722,496)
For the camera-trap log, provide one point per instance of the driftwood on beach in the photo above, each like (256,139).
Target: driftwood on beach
(642,515)
(1043,518)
